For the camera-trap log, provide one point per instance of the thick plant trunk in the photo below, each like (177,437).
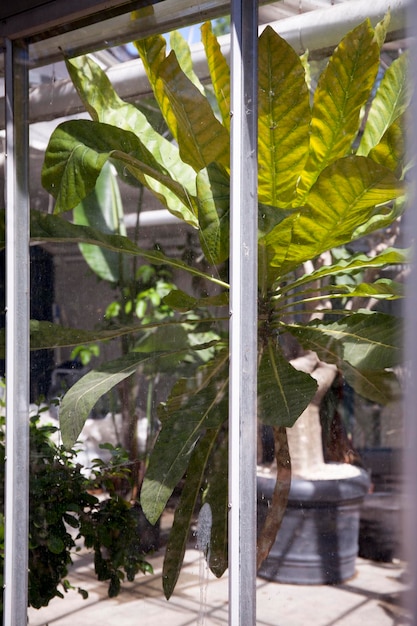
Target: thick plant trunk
(305,437)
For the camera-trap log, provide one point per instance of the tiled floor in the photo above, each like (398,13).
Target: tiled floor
(371,598)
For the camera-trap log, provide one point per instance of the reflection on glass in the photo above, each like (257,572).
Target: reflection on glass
(129,275)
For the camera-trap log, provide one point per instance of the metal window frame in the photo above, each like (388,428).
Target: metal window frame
(242,471)
(243,313)
(17,336)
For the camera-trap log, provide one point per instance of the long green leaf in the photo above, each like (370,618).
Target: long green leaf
(103,210)
(217,497)
(343,198)
(183,54)
(187,112)
(152,51)
(283,391)
(390,102)
(351,266)
(219,72)
(82,396)
(368,341)
(183,517)
(45,227)
(190,411)
(283,119)
(197,124)
(343,89)
(213,196)
(46,335)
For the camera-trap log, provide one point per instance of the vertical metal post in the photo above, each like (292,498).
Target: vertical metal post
(243,308)
(17,336)
(410,345)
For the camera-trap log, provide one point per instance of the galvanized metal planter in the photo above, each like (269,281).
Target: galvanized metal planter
(318,539)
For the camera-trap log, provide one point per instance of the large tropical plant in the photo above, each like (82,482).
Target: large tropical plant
(331,169)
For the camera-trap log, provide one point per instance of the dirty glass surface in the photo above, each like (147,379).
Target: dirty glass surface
(155,321)
(104,316)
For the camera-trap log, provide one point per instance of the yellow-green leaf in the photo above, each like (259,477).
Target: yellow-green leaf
(283,119)
(183,54)
(104,105)
(219,72)
(213,196)
(389,103)
(202,139)
(186,111)
(343,89)
(344,197)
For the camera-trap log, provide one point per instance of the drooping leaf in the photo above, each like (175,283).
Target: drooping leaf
(183,54)
(283,119)
(390,102)
(343,89)
(77,151)
(342,199)
(381,386)
(350,266)
(219,72)
(188,413)
(213,196)
(187,112)
(47,335)
(104,105)
(46,227)
(83,395)
(283,391)
(216,496)
(183,517)
(366,340)
(391,150)
(103,210)
(72,166)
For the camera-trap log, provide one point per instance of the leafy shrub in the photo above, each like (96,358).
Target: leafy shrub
(64,510)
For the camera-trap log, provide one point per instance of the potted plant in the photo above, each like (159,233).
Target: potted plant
(323,184)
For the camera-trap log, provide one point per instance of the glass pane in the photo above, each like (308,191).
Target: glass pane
(107,316)
(339,542)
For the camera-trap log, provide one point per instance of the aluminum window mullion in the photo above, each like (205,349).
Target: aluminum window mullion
(243,314)
(17,336)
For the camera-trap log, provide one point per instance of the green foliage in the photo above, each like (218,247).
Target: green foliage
(103,210)
(324,182)
(64,514)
